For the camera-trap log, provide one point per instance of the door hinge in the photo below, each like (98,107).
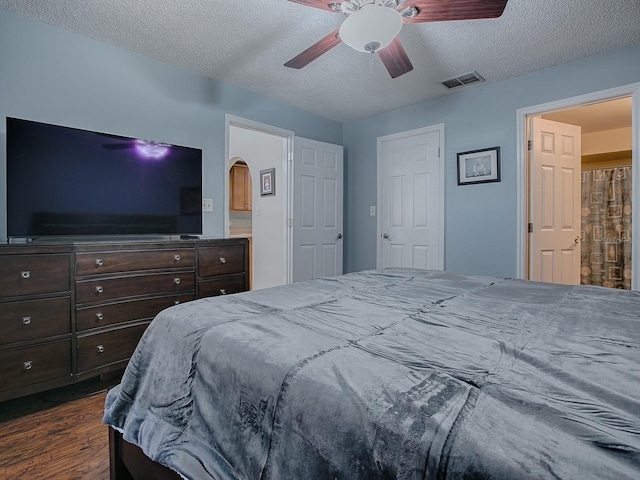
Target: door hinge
(290,222)
(530,228)
(290,156)
(438,152)
(529,146)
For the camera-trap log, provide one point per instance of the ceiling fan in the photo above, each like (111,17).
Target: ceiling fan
(373,25)
(144,148)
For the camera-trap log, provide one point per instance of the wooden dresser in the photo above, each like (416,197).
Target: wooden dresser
(70,312)
(35,318)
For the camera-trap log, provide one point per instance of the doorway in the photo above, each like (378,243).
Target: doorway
(607,146)
(260,147)
(294,207)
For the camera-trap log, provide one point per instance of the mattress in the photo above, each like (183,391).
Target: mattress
(390,374)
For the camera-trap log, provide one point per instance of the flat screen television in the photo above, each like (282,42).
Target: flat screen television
(64,181)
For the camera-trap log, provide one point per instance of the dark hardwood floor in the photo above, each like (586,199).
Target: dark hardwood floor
(56,435)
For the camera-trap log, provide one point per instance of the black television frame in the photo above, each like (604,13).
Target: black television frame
(182,215)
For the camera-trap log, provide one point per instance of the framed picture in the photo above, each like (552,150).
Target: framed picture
(268,182)
(479,166)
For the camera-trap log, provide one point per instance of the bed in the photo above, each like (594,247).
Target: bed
(387,374)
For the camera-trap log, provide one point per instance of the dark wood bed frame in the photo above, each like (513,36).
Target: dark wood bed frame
(128,462)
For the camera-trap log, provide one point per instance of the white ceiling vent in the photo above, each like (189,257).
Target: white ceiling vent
(461,80)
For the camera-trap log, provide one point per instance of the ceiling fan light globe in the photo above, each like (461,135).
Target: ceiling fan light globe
(151,150)
(370,25)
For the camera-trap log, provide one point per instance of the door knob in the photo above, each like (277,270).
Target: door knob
(339,236)
(386,236)
(577,239)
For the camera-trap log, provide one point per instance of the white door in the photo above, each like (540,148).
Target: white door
(554,231)
(411,200)
(317,209)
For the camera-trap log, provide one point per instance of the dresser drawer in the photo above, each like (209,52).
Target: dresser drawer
(33,319)
(111,262)
(33,274)
(222,286)
(105,348)
(103,289)
(220,260)
(29,365)
(114,313)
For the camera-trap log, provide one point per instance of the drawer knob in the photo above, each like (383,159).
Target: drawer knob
(223,260)
(99,262)
(100,348)
(26,320)
(176,258)
(99,289)
(176,280)
(99,316)
(223,291)
(27,365)
(25,274)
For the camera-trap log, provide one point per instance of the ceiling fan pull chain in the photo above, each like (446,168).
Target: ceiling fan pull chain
(371,62)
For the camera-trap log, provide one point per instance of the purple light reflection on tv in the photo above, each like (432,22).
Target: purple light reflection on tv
(152,150)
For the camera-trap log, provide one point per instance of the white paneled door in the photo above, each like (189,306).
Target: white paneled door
(317,209)
(554,230)
(411,200)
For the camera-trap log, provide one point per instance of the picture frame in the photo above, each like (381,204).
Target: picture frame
(479,166)
(268,182)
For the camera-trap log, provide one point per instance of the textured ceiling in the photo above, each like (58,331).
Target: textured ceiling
(246,42)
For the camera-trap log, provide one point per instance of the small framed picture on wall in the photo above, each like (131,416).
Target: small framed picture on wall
(479,166)
(268,182)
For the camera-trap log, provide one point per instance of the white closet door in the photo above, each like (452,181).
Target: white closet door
(411,205)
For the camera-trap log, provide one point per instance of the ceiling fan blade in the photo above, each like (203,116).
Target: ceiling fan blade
(314,51)
(446,10)
(321,4)
(395,58)
(116,146)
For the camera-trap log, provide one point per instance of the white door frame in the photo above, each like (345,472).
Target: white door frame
(522,179)
(286,189)
(410,133)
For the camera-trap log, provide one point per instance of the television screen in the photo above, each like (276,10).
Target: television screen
(67,181)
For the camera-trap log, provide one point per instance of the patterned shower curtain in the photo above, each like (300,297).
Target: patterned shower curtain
(606,227)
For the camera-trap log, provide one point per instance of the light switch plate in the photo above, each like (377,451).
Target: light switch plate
(207,204)
(372,211)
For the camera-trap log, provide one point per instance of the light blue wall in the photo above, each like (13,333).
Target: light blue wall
(480,220)
(51,75)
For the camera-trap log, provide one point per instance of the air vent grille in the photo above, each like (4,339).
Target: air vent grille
(461,80)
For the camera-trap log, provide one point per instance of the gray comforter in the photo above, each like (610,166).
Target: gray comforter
(389,374)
